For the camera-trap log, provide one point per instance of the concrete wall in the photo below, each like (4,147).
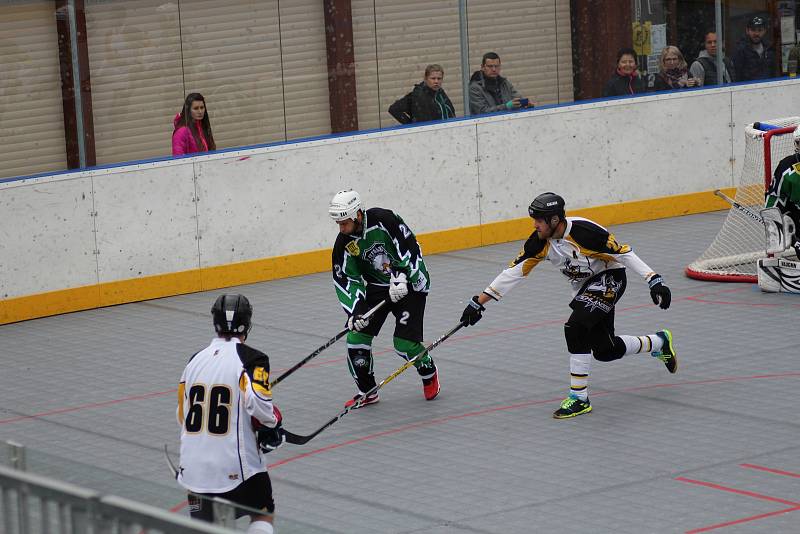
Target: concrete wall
(106,231)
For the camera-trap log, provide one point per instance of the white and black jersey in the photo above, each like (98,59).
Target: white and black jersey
(585,250)
(221,389)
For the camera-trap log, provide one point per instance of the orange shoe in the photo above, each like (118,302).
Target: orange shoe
(354,403)
(431,386)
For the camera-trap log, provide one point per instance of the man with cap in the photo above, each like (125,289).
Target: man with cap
(754,58)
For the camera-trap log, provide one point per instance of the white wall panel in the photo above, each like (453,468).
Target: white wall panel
(272,201)
(760,102)
(46,239)
(146,221)
(604,153)
(276,203)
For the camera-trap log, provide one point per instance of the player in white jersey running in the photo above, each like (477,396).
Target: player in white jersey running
(594,263)
(223,394)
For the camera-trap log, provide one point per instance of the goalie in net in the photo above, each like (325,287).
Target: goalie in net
(757,240)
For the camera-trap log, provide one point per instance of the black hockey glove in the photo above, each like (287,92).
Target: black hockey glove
(660,293)
(473,312)
(270,439)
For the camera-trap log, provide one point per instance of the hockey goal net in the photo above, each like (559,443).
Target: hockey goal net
(732,255)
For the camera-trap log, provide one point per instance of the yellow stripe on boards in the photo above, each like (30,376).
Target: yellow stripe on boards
(215,277)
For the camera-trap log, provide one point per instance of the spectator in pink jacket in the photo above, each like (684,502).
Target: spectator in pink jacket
(192,131)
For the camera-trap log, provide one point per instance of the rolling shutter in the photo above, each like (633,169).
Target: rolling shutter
(410,36)
(533,40)
(231,55)
(135,68)
(31,110)
(394,41)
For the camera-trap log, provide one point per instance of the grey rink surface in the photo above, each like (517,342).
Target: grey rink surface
(711,448)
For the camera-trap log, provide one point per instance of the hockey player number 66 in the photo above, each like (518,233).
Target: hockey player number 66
(218,409)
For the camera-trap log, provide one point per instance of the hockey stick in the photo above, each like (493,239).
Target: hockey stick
(302,440)
(744,209)
(317,352)
(172,467)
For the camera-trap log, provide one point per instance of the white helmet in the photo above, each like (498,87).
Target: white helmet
(345,205)
(796,137)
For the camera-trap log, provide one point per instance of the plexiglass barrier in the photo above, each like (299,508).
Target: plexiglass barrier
(97,82)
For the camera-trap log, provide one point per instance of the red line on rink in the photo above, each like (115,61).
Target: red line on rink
(742,520)
(85,406)
(336,360)
(769,470)
(442,420)
(737,491)
(794,506)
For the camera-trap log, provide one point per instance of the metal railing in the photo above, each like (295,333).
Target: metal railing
(32,504)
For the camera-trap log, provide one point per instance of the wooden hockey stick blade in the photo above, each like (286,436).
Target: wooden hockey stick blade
(172,467)
(317,352)
(297,439)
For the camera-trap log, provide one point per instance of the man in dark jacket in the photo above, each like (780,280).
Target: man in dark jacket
(490,92)
(704,69)
(754,59)
(426,102)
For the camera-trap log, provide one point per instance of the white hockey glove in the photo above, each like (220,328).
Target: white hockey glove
(357,323)
(398,286)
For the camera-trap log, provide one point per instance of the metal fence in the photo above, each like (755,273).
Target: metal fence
(34,504)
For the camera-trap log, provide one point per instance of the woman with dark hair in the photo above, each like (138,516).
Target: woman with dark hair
(192,131)
(626,79)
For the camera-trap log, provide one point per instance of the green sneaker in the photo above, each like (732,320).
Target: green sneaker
(667,353)
(572,406)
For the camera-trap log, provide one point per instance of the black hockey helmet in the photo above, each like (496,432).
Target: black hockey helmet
(546,205)
(232,314)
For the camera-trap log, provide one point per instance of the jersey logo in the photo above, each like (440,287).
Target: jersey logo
(574,271)
(376,254)
(795,168)
(352,248)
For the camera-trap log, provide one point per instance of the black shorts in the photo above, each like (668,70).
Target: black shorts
(255,492)
(593,306)
(409,313)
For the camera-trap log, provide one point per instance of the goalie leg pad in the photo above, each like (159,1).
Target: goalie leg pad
(777,275)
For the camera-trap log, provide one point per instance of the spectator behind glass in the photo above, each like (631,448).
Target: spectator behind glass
(490,92)
(673,71)
(704,68)
(192,131)
(426,102)
(626,79)
(754,59)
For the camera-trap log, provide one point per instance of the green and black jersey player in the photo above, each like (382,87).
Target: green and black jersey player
(376,258)
(594,263)
(784,190)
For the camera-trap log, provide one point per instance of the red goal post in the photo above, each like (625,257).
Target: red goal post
(741,241)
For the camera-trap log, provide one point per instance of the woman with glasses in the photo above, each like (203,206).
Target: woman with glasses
(673,72)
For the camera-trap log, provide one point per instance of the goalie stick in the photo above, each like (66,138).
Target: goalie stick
(297,439)
(317,352)
(744,209)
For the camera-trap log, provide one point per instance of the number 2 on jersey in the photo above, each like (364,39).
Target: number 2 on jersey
(214,411)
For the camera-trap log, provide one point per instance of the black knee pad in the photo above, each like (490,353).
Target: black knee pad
(577,337)
(607,348)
